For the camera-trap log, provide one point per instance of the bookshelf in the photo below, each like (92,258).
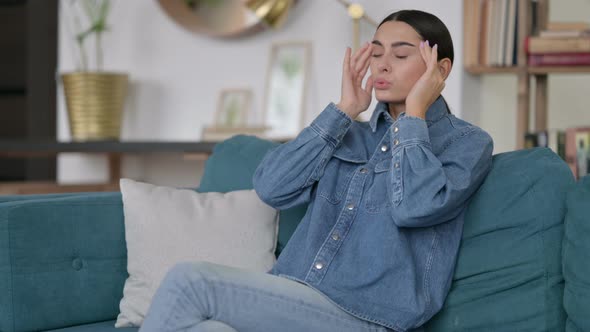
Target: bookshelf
(525,74)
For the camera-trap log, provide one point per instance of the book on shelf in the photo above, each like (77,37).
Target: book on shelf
(545,45)
(559,59)
(510,56)
(577,152)
(561,38)
(564,33)
(554,139)
(571,144)
(568,26)
(561,44)
(491,32)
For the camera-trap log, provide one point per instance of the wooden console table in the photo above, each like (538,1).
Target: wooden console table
(112,149)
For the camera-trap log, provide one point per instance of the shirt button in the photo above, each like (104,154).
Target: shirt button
(384,148)
(396,142)
(396,165)
(350,207)
(364,170)
(319,266)
(335,237)
(395,130)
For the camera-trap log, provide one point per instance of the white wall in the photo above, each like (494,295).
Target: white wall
(176,76)
(568,106)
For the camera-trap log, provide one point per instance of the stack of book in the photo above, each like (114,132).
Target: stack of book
(491,32)
(561,44)
(572,145)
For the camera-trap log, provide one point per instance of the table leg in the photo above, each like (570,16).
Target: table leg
(114,168)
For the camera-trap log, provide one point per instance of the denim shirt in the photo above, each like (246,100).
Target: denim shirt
(386,207)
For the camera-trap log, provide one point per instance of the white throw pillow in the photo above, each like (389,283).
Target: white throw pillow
(165,226)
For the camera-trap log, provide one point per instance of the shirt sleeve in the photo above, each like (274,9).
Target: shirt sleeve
(426,189)
(285,176)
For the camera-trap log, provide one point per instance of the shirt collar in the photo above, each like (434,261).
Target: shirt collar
(435,112)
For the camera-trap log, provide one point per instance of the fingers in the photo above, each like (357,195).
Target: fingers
(429,55)
(423,52)
(363,57)
(359,64)
(369,85)
(346,64)
(365,65)
(434,56)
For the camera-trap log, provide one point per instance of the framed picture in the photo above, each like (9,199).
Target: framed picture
(233,108)
(232,117)
(286,86)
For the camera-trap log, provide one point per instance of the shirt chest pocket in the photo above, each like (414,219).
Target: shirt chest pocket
(336,179)
(381,189)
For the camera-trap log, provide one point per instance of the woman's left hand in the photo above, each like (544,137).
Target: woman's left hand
(428,87)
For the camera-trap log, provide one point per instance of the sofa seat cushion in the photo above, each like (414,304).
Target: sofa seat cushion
(97,327)
(232,166)
(576,257)
(508,274)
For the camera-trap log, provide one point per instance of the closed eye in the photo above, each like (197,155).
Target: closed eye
(401,57)
(376,55)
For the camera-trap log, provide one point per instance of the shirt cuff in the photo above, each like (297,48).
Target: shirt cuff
(332,124)
(410,130)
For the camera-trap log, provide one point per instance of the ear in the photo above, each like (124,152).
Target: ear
(444,66)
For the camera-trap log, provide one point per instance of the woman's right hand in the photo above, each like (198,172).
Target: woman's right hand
(355,99)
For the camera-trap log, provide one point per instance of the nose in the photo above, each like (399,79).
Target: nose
(382,65)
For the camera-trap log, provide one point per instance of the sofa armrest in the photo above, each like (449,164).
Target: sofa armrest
(63,260)
(14,198)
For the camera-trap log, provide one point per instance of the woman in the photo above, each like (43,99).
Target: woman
(377,247)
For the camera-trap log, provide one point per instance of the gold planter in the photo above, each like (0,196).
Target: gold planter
(95,102)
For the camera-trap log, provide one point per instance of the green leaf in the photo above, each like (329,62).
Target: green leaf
(104,10)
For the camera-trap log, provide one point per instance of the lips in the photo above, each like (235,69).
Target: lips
(381,84)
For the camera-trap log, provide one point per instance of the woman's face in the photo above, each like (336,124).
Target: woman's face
(396,63)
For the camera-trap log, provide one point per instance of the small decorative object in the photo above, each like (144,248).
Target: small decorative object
(285,89)
(94,99)
(583,154)
(357,12)
(232,116)
(227,18)
(272,12)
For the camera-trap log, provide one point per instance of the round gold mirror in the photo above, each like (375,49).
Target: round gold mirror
(227,18)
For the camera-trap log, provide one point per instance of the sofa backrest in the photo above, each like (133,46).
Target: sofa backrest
(508,275)
(576,257)
(232,166)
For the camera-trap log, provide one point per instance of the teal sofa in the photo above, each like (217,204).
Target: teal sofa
(522,265)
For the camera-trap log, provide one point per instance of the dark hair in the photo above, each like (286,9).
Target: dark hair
(429,27)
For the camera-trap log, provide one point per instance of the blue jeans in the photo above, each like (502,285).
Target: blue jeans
(200,297)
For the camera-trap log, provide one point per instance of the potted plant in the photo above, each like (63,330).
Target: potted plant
(94,98)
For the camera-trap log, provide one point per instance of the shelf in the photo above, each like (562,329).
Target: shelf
(560,69)
(28,148)
(478,70)
(12,91)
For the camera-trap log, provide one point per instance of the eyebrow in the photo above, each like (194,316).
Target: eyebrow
(394,45)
